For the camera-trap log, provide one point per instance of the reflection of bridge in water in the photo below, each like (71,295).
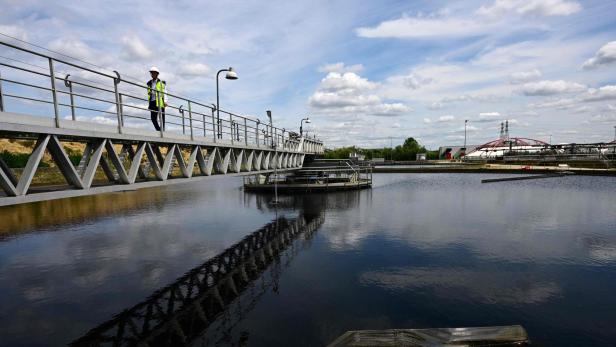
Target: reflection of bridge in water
(200,301)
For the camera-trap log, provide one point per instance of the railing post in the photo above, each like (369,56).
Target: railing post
(213,124)
(181,110)
(192,137)
(121,109)
(245,132)
(116,81)
(54,93)
(69,85)
(257,133)
(231,127)
(1,101)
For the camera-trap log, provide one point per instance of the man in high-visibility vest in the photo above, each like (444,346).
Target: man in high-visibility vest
(157,98)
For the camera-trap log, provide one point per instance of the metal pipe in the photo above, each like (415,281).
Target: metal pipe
(1,101)
(121,108)
(116,81)
(213,126)
(181,110)
(245,132)
(231,127)
(192,137)
(69,85)
(54,94)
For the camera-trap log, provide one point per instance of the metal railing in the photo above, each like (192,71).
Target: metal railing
(109,99)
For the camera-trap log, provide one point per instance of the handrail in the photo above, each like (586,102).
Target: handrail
(235,127)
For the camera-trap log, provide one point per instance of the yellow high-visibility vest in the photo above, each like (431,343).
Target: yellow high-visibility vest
(160,92)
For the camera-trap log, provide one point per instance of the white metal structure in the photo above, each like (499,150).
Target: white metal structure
(109,116)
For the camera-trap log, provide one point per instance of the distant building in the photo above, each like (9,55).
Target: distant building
(420,156)
(455,152)
(357,156)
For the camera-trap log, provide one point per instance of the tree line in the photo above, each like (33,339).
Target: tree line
(404,152)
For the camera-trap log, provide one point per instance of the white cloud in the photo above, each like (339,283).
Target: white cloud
(605,55)
(446,118)
(73,47)
(427,120)
(348,81)
(524,76)
(415,81)
(418,27)
(489,116)
(14,31)
(530,7)
(559,104)
(135,48)
(191,70)
(551,87)
(325,100)
(340,67)
(605,118)
(607,92)
(350,93)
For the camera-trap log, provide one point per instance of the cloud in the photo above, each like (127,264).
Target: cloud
(14,31)
(524,76)
(446,119)
(192,70)
(427,120)
(415,81)
(605,55)
(348,81)
(135,48)
(489,116)
(530,8)
(607,92)
(560,104)
(73,47)
(418,27)
(341,68)
(551,87)
(605,118)
(350,93)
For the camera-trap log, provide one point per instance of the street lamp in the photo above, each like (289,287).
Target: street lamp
(301,125)
(231,75)
(465,122)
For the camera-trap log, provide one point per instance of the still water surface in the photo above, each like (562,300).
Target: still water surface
(416,251)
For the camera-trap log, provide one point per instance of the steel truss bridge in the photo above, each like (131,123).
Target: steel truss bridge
(211,297)
(52,102)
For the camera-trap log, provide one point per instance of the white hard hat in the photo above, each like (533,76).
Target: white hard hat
(154,69)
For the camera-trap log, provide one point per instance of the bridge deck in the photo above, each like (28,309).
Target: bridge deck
(110,117)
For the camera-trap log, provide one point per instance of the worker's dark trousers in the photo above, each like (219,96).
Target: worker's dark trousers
(154,115)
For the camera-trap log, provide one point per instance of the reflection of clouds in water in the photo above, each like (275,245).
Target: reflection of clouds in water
(35,293)
(603,253)
(487,287)
(522,222)
(342,235)
(602,249)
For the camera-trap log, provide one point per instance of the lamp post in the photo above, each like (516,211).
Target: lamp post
(231,75)
(301,125)
(465,122)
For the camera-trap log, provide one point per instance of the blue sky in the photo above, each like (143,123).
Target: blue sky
(364,71)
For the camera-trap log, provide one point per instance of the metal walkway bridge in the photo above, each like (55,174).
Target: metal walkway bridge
(53,103)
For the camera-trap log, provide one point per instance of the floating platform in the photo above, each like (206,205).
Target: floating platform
(320,175)
(308,187)
(503,336)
